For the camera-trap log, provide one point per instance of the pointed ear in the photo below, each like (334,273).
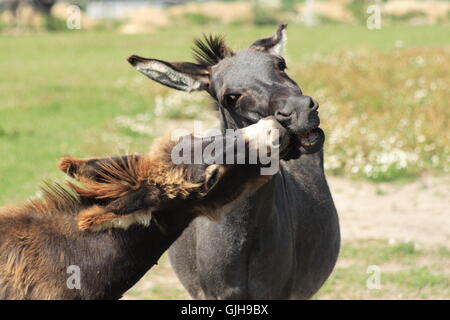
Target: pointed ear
(183,76)
(213,174)
(273,44)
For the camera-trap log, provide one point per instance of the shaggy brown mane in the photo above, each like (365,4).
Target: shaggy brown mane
(210,50)
(55,198)
(116,180)
(155,168)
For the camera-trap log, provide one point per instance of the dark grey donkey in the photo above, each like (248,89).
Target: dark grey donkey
(282,241)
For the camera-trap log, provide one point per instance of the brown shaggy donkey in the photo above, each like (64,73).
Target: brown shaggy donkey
(97,239)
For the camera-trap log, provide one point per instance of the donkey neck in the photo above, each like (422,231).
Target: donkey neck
(119,258)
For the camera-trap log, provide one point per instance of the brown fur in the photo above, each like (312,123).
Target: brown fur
(155,168)
(93,217)
(27,268)
(40,239)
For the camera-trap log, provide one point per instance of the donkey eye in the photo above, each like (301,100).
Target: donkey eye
(282,65)
(231,99)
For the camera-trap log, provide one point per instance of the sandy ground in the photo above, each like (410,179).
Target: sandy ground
(418,211)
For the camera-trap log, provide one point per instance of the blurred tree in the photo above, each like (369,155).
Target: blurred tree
(9,5)
(266,11)
(82,4)
(45,6)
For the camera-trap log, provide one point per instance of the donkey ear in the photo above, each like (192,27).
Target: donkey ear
(273,44)
(183,76)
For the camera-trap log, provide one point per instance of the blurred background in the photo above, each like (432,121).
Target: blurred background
(379,69)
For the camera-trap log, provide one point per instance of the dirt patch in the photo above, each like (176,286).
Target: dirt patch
(335,10)
(417,211)
(433,11)
(151,19)
(221,11)
(144,20)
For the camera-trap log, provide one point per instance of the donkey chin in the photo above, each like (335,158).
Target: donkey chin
(299,115)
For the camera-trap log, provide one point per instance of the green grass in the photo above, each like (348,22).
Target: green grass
(60,92)
(405,272)
(365,251)
(385,113)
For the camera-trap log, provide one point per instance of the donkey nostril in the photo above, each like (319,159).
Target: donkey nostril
(280,115)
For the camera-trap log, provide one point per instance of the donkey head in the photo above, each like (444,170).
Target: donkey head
(247,85)
(123,191)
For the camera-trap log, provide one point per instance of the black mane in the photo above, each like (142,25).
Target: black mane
(210,50)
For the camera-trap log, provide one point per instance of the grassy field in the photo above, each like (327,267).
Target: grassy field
(405,272)
(59,93)
(383,96)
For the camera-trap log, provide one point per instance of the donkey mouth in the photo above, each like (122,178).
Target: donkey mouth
(308,139)
(311,141)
